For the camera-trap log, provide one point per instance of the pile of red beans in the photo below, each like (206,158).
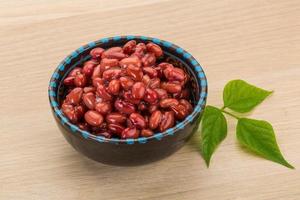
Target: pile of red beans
(124,92)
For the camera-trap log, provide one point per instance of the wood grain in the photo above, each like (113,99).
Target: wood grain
(258,41)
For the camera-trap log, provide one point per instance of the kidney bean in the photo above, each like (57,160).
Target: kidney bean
(96,52)
(133,60)
(112,73)
(92,61)
(96,72)
(113,55)
(103,93)
(88,69)
(187,105)
(126,82)
(150,71)
(146,80)
(154,48)
(124,107)
(176,74)
(162,94)
(171,87)
(69,81)
(137,120)
(103,107)
(89,99)
(165,65)
(79,111)
(108,63)
(148,59)
(151,96)
(180,111)
(116,128)
(74,97)
(140,50)
(75,71)
(138,90)
(167,121)
(134,72)
(129,47)
(155,119)
(115,118)
(159,71)
(184,94)
(130,133)
(154,83)
(80,80)
(114,87)
(89,89)
(97,81)
(128,97)
(146,133)
(152,108)
(93,118)
(70,114)
(165,103)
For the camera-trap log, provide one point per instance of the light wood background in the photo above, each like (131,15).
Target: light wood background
(258,41)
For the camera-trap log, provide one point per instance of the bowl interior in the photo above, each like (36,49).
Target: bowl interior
(173,54)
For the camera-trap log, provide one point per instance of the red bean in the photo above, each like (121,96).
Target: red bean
(148,59)
(165,103)
(93,118)
(140,50)
(133,60)
(167,121)
(115,118)
(146,133)
(116,128)
(89,99)
(165,65)
(80,80)
(124,107)
(154,83)
(187,105)
(146,80)
(171,87)
(134,72)
(114,87)
(126,82)
(137,120)
(138,90)
(155,119)
(150,71)
(70,113)
(180,111)
(152,108)
(74,97)
(108,63)
(75,71)
(88,69)
(104,134)
(130,133)
(101,91)
(151,96)
(97,81)
(84,126)
(129,47)
(113,55)
(89,89)
(162,94)
(69,81)
(112,73)
(128,97)
(176,74)
(154,48)
(96,52)
(103,107)
(97,72)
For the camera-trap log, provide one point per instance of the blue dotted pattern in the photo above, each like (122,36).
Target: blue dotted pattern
(158,136)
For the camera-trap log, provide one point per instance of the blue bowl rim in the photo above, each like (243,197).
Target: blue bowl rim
(189,59)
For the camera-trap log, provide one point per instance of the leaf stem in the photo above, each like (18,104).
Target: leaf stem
(228,113)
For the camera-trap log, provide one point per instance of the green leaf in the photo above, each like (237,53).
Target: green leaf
(213,131)
(258,136)
(240,96)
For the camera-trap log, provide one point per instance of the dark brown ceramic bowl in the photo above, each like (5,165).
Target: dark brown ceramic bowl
(130,151)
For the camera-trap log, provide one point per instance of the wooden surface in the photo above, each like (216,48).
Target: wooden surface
(258,41)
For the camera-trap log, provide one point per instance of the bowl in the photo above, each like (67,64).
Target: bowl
(142,150)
